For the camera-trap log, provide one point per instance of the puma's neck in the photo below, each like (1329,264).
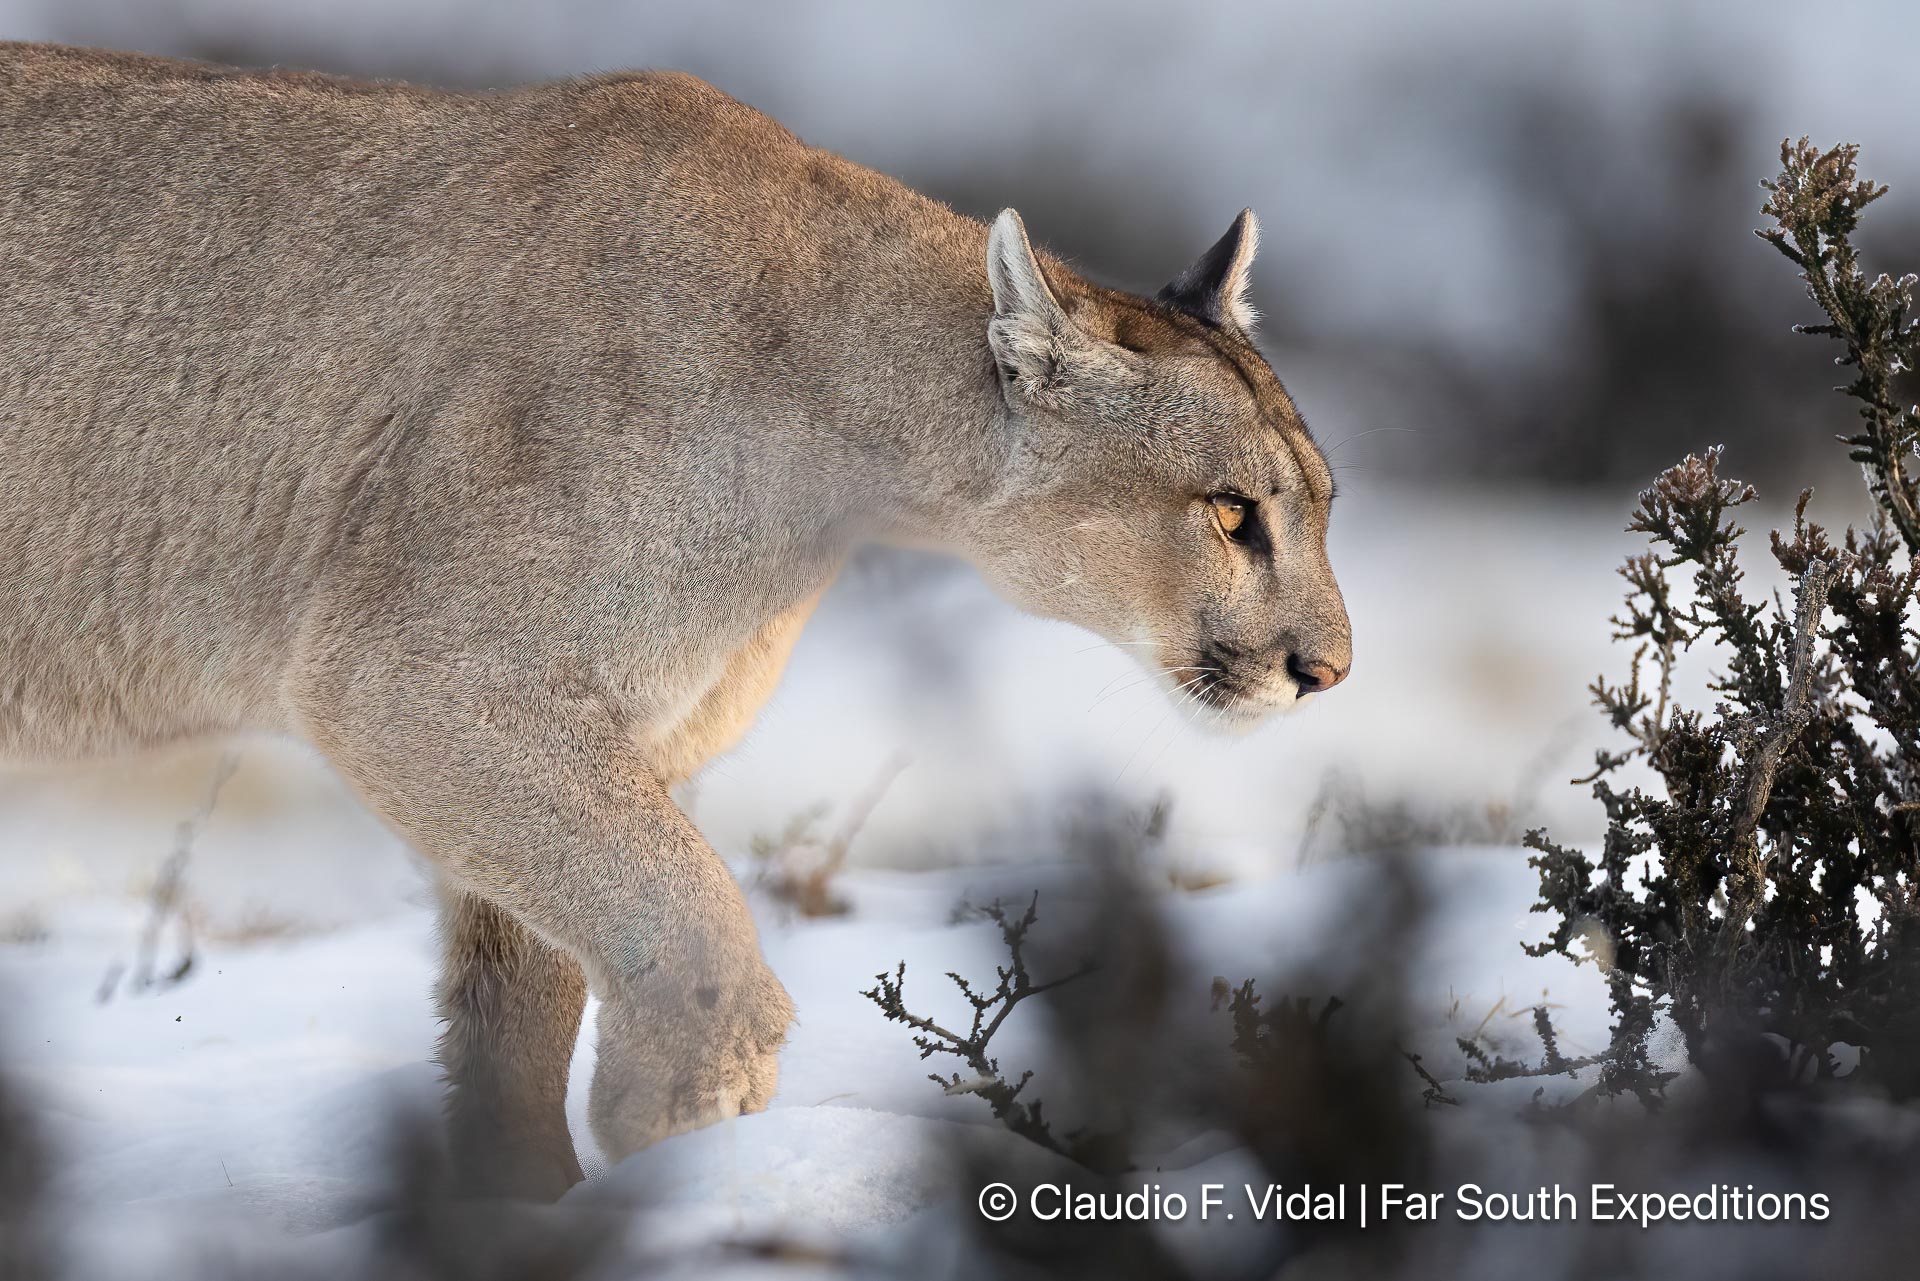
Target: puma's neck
(897,389)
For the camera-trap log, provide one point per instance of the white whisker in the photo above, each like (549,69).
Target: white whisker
(1142,679)
(1329,451)
(1179,692)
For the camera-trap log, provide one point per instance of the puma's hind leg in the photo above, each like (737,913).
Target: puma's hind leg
(512,1006)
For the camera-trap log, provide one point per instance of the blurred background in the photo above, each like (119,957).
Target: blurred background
(1507,272)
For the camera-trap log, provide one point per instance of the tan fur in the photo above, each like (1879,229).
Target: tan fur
(512,1006)
(498,446)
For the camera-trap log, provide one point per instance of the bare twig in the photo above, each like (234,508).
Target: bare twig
(863,806)
(990,1011)
(1816,202)
(808,885)
(1435,1094)
(1483,1067)
(1748,877)
(167,899)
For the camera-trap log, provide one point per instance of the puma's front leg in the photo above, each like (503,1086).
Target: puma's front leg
(541,804)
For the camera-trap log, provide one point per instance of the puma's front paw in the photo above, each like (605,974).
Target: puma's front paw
(670,1067)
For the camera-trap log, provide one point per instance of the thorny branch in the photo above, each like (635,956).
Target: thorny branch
(1483,1067)
(1766,885)
(990,1011)
(1781,729)
(1817,201)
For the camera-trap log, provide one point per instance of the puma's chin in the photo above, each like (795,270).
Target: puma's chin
(1227,705)
(1240,718)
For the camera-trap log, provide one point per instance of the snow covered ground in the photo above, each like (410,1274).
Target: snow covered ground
(258,1093)
(259,1089)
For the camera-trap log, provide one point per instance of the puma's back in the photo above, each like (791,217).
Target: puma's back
(253,318)
(200,351)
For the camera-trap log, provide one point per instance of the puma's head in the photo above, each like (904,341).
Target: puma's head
(1162,490)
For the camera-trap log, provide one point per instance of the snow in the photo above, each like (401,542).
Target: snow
(255,1100)
(261,1091)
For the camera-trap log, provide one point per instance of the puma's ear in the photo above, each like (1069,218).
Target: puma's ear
(1214,289)
(1030,333)
(1046,361)
(1018,285)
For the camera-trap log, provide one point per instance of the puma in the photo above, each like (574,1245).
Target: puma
(498,445)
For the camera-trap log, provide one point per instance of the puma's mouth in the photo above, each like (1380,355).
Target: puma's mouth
(1227,698)
(1223,686)
(1219,690)
(1235,689)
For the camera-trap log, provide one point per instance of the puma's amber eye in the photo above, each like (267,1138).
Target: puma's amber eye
(1231,511)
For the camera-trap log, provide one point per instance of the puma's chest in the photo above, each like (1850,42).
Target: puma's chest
(716,718)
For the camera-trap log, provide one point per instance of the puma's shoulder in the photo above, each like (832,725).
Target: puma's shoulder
(662,110)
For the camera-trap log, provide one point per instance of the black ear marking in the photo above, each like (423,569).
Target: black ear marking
(1214,288)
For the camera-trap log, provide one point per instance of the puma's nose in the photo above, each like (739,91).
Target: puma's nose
(1314,675)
